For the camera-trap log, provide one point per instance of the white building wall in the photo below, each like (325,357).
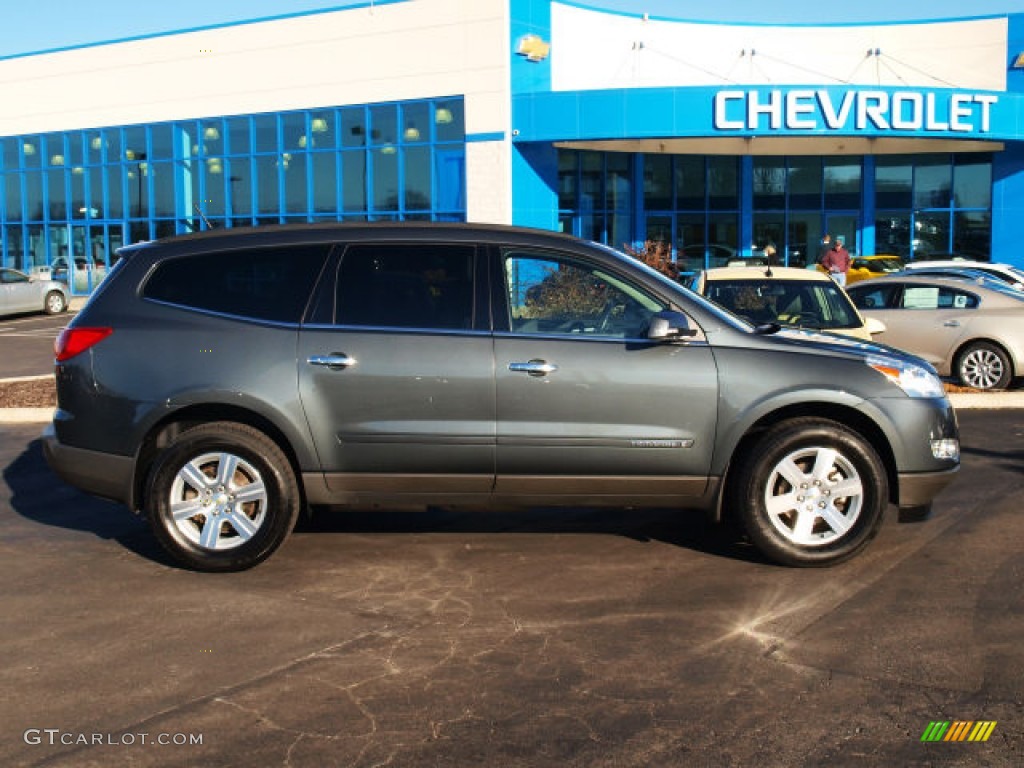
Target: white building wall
(406,50)
(593,50)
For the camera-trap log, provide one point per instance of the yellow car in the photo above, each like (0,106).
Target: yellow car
(799,298)
(865,267)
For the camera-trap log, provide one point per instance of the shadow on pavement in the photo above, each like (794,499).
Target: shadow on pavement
(37,495)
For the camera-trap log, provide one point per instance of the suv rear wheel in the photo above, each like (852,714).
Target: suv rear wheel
(222,497)
(810,492)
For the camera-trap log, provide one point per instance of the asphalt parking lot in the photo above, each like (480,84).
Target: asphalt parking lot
(532,639)
(26,342)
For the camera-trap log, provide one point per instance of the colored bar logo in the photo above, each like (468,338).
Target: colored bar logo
(959,730)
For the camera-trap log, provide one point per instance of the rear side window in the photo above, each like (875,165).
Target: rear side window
(262,284)
(406,285)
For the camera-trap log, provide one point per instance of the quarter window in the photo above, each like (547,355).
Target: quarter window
(265,284)
(552,296)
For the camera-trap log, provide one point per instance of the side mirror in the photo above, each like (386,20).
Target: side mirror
(669,325)
(874,326)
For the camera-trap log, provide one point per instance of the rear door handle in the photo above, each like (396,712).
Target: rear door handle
(952,323)
(534,367)
(335,361)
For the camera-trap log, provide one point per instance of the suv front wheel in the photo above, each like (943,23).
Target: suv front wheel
(222,497)
(810,492)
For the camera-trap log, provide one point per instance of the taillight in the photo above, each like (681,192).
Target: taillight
(74,341)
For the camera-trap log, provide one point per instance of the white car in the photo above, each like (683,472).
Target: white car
(1013,276)
(23,293)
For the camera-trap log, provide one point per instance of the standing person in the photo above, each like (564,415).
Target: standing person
(824,248)
(837,262)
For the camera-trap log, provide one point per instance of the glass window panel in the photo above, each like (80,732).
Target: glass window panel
(769,229)
(162,142)
(57,194)
(9,156)
(894,182)
(112,144)
(56,152)
(657,183)
(449,122)
(134,144)
(295,176)
(265,133)
(690,184)
(769,183)
(163,189)
(592,178)
(240,186)
(353,177)
(138,190)
(76,155)
(568,162)
(892,233)
(212,137)
(239,136)
(35,255)
(12,196)
(94,145)
(325,182)
(353,127)
(385,179)
(972,234)
(619,182)
(323,130)
(691,247)
(931,234)
(621,230)
(723,233)
(79,204)
(293,131)
(804,181)
(842,183)
(267,186)
(592,227)
(34,195)
(115,192)
(32,151)
(384,124)
(659,229)
(972,182)
(165,229)
(15,244)
(417,179)
(138,231)
(723,183)
(802,238)
(933,181)
(416,122)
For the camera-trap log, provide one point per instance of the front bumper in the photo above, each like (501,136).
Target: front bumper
(100,474)
(918,489)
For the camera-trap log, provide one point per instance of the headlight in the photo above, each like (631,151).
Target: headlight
(915,380)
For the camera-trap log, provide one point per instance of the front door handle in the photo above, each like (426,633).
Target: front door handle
(335,362)
(534,367)
(952,323)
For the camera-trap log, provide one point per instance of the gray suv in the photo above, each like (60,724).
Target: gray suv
(220,382)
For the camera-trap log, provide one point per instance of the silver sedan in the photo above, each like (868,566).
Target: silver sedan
(21,293)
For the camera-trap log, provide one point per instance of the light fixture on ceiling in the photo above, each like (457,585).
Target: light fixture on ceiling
(57,160)
(442,116)
(28,148)
(211,133)
(412,133)
(96,143)
(388,149)
(306,141)
(129,154)
(318,124)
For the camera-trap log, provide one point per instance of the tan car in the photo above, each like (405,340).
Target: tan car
(966,329)
(803,298)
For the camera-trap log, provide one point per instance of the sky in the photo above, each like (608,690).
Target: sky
(38,25)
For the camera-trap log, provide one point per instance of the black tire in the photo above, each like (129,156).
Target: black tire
(227,460)
(809,523)
(983,365)
(55,303)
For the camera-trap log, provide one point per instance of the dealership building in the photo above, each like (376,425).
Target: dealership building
(621,127)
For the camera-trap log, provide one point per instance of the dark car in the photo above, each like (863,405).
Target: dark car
(220,382)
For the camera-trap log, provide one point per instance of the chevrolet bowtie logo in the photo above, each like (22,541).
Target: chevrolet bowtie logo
(533,48)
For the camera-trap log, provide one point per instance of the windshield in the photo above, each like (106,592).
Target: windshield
(802,303)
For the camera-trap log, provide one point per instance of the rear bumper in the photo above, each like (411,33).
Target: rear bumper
(920,488)
(100,474)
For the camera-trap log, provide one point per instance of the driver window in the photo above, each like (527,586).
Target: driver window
(555,296)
